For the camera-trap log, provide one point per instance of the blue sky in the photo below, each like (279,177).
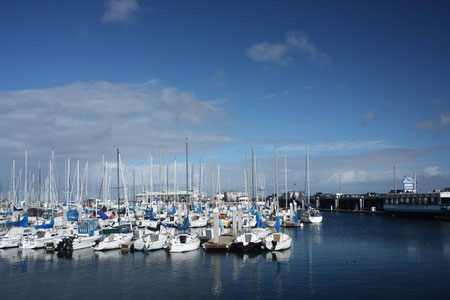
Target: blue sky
(351,79)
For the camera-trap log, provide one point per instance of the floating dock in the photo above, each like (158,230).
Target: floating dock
(223,242)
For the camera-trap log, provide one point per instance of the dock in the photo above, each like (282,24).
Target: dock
(224,242)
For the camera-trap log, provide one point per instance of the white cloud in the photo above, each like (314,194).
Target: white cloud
(269,53)
(300,40)
(368,116)
(279,53)
(437,101)
(431,171)
(122,11)
(219,78)
(426,125)
(445,119)
(85,119)
(267,96)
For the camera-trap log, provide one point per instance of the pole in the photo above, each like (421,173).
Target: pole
(118,185)
(187,171)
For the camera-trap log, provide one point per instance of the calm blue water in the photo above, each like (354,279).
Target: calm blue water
(348,256)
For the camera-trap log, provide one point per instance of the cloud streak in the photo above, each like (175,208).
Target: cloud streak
(296,42)
(122,11)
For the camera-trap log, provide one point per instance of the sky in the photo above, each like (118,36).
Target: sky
(365,84)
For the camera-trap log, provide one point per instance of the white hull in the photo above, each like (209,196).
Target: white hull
(311,219)
(84,242)
(262,232)
(9,243)
(191,243)
(152,242)
(277,242)
(198,223)
(113,241)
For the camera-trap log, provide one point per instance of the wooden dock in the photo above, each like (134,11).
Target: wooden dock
(224,242)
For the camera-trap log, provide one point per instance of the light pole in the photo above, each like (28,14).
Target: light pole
(395,178)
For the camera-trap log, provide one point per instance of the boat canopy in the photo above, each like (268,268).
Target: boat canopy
(185,225)
(21,223)
(46,226)
(199,209)
(174,210)
(102,214)
(72,215)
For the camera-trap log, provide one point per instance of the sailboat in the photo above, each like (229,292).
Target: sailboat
(310,215)
(277,241)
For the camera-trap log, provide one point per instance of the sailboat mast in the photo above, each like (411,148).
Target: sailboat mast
(200,177)
(212,176)
(285,179)
(26,178)
(175,189)
(151,178)
(276,174)
(187,171)
(118,185)
(307,174)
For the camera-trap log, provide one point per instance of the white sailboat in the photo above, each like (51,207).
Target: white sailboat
(184,242)
(277,241)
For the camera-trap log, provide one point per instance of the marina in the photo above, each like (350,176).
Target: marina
(345,256)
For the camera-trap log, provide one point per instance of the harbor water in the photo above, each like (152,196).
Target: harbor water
(348,256)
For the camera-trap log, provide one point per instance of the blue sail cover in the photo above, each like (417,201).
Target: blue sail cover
(296,217)
(172,212)
(21,223)
(185,225)
(46,226)
(259,222)
(253,208)
(72,215)
(277,224)
(102,214)
(152,216)
(199,209)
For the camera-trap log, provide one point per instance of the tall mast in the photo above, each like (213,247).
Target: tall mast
(175,189)
(67,182)
(212,176)
(167,182)
(200,177)
(39,182)
(187,170)
(160,175)
(307,174)
(151,178)
(104,178)
(285,178)
(14,181)
(246,174)
(26,178)
(118,185)
(253,175)
(276,174)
